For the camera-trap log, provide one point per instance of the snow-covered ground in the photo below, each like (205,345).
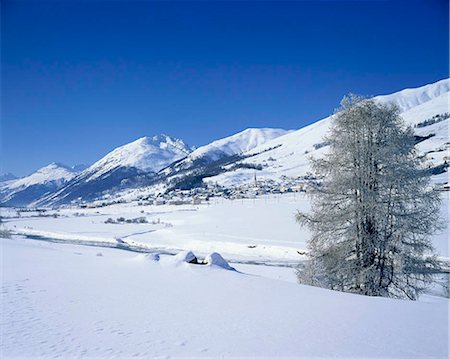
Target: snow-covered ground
(71,300)
(262,229)
(63,300)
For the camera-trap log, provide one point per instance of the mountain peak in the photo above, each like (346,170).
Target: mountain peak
(149,154)
(55,165)
(161,141)
(53,172)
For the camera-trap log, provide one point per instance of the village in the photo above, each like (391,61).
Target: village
(203,195)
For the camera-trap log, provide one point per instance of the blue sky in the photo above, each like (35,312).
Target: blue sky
(80,78)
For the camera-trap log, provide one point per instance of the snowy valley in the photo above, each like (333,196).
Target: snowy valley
(94,260)
(106,282)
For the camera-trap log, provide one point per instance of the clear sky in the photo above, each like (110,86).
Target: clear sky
(81,78)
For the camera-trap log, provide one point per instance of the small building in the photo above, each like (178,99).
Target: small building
(159,201)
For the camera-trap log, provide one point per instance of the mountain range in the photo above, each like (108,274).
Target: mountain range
(162,162)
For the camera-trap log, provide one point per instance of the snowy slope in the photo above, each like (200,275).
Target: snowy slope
(72,301)
(413,97)
(23,190)
(436,149)
(236,144)
(288,155)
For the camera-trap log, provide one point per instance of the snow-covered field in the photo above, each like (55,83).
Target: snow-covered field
(262,229)
(61,300)
(71,300)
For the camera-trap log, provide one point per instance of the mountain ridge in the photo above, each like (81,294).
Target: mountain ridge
(291,151)
(165,162)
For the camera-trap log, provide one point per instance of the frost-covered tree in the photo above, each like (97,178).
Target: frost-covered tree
(373,209)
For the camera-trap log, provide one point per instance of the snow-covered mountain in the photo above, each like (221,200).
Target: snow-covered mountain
(226,147)
(425,107)
(147,154)
(209,160)
(163,162)
(56,173)
(132,164)
(18,192)
(137,164)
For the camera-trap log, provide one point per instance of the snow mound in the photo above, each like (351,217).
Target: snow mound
(185,257)
(215,259)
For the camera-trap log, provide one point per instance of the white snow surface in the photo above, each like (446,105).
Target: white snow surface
(249,230)
(260,230)
(183,257)
(65,301)
(149,154)
(215,259)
